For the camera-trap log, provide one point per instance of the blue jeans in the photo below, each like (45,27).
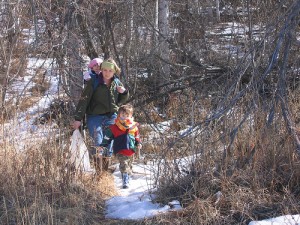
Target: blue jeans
(96,125)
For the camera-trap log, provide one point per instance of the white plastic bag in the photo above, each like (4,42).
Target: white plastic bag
(79,153)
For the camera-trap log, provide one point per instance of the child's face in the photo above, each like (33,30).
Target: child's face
(96,68)
(125,116)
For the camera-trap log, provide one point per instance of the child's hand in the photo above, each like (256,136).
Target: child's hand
(86,76)
(139,146)
(121,89)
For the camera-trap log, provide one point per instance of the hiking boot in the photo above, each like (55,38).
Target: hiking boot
(125,180)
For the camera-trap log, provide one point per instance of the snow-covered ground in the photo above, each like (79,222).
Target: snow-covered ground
(22,127)
(281,220)
(136,202)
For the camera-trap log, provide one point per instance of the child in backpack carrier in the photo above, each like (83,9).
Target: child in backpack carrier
(94,69)
(125,134)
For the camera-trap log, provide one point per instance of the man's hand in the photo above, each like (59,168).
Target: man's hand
(121,89)
(76,125)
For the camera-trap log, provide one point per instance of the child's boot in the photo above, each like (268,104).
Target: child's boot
(125,180)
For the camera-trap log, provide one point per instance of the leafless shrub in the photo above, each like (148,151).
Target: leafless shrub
(258,171)
(40,83)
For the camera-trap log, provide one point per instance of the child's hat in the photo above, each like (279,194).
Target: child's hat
(94,62)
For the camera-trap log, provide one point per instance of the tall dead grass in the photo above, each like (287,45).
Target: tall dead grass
(38,186)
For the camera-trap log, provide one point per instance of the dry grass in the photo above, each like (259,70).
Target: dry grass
(38,187)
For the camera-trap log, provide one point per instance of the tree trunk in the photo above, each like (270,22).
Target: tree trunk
(164,51)
(218,10)
(88,43)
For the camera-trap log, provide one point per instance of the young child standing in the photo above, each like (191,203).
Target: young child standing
(125,134)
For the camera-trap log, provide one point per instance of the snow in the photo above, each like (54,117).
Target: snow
(281,220)
(136,202)
(22,124)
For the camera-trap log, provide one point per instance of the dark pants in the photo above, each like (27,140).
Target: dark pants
(96,124)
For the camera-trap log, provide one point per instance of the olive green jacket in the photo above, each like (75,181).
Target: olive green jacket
(101,99)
